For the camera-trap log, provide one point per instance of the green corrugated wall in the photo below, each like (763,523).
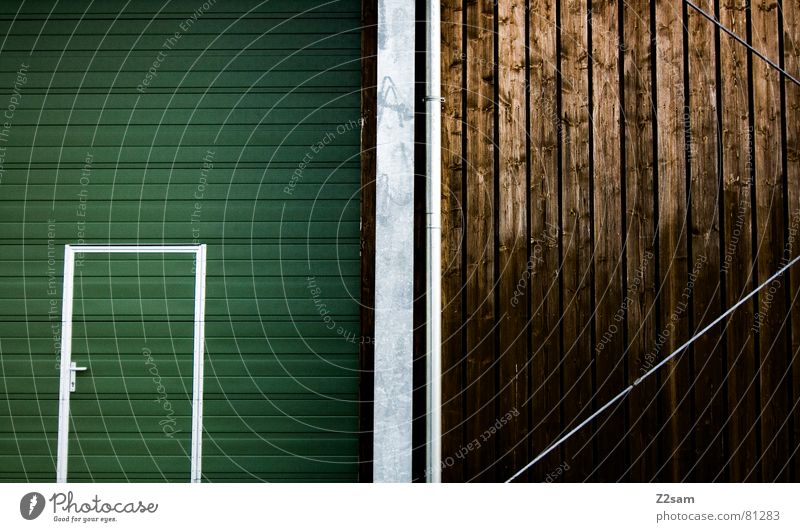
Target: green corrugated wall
(232,123)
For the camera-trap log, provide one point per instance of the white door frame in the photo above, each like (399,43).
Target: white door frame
(68,370)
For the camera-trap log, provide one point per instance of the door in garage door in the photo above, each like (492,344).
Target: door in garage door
(130,409)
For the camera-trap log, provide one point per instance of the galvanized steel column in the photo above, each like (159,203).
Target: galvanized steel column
(394,242)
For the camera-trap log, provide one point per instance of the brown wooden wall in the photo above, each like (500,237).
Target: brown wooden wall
(615,176)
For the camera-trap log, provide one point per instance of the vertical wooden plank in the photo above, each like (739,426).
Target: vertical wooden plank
(577,239)
(480,385)
(544,261)
(791,55)
(609,348)
(640,237)
(369,47)
(672,235)
(707,353)
(452,239)
(512,446)
(737,249)
(770,222)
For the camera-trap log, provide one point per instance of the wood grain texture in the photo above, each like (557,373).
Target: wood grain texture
(641,319)
(512,441)
(545,397)
(736,264)
(791,57)
(770,233)
(576,397)
(609,344)
(708,353)
(673,267)
(452,239)
(479,290)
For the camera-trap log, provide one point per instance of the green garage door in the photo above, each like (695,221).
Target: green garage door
(232,123)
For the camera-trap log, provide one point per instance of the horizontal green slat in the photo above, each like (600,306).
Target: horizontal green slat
(285,135)
(333,76)
(125,232)
(328,114)
(189,41)
(180,313)
(253,249)
(224,252)
(229,330)
(222,425)
(261,102)
(35,348)
(222,476)
(182,210)
(183,9)
(179,153)
(181,287)
(229,407)
(296,24)
(276,464)
(150,176)
(138,365)
(144,385)
(230,268)
(245,444)
(178,192)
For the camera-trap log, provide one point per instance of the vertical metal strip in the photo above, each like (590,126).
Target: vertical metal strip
(199,342)
(66,356)
(394,243)
(433,275)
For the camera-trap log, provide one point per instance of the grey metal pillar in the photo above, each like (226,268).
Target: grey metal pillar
(394,242)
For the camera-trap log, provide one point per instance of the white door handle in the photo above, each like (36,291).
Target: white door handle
(73,370)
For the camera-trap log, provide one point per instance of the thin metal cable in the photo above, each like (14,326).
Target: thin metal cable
(741,41)
(544,453)
(652,370)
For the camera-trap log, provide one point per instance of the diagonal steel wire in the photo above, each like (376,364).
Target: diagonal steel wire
(655,368)
(720,25)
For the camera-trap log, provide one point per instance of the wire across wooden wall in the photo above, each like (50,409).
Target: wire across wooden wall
(616,175)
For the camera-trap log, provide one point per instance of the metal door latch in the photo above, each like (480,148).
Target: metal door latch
(73,370)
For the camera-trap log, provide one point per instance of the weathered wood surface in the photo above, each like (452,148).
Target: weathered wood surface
(616,175)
